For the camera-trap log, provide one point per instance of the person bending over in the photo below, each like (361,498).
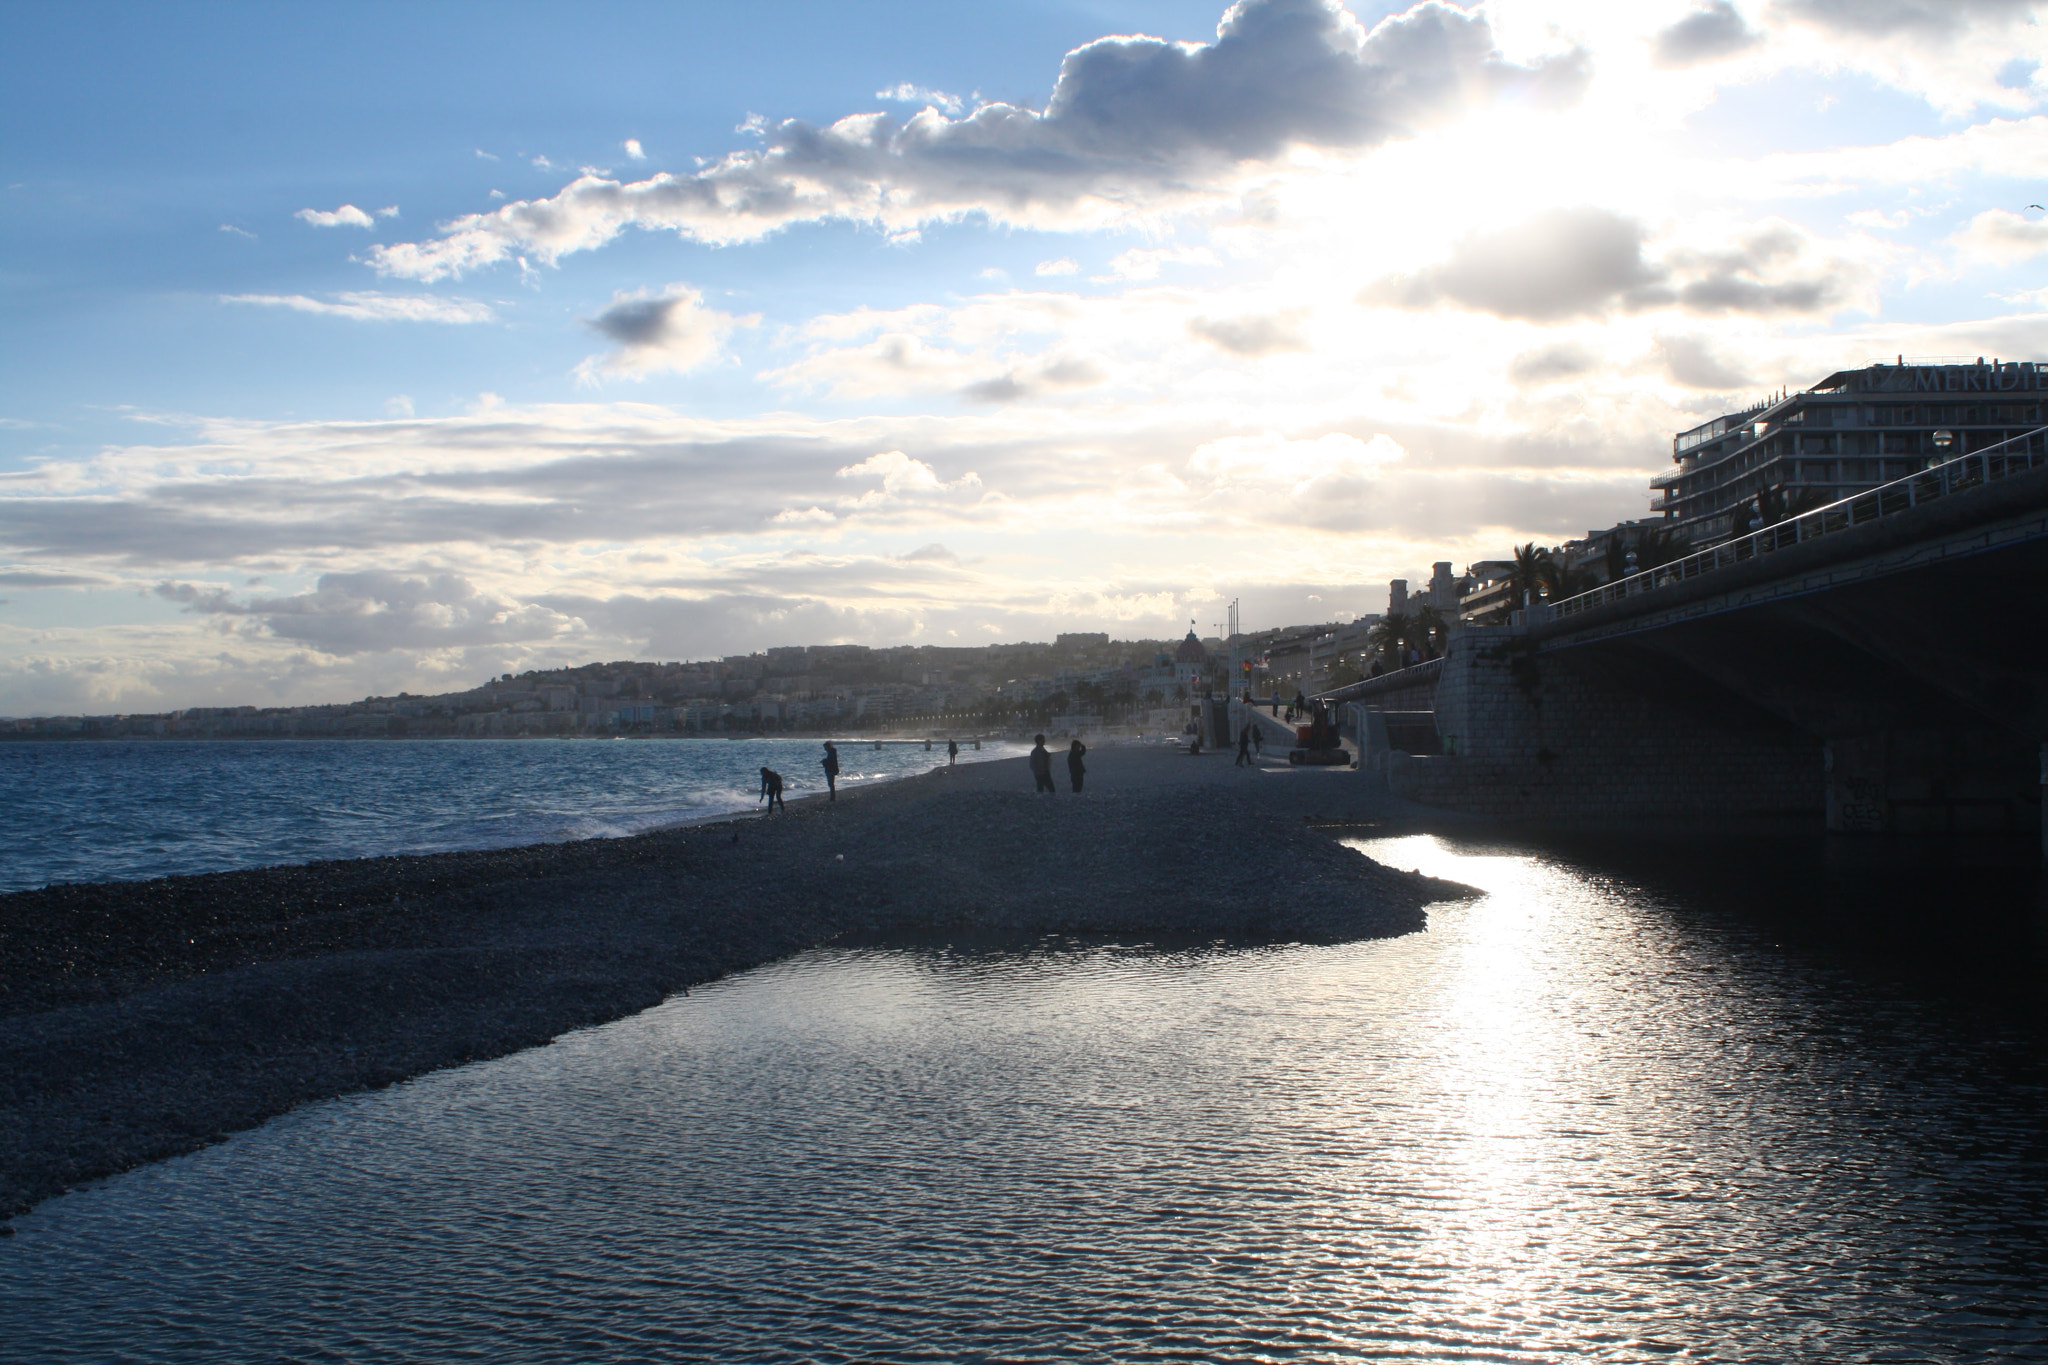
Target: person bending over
(771,787)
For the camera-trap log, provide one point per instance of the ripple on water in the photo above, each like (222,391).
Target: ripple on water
(1582,1118)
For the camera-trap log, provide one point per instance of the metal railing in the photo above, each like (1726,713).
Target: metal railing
(1965,471)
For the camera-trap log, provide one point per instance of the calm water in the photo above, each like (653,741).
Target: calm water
(1597,1115)
(84,812)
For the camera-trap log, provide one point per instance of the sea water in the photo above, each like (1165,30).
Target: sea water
(87,811)
(1610,1110)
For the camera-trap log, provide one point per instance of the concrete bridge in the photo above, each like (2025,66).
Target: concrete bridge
(1877,665)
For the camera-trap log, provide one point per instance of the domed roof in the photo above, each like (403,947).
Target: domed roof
(1191,651)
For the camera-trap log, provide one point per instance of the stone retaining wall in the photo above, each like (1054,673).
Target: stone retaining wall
(1570,738)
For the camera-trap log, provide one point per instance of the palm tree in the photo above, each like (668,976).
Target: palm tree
(1530,573)
(1429,631)
(1774,505)
(1390,636)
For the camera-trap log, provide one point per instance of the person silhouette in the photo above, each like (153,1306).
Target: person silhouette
(831,765)
(771,787)
(1041,765)
(952,751)
(1244,747)
(1076,770)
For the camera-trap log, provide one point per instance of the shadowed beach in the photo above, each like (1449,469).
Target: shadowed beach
(144,1019)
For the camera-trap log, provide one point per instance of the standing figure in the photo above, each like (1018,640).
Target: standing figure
(1076,770)
(1041,765)
(1244,747)
(952,751)
(831,765)
(771,787)
(1258,743)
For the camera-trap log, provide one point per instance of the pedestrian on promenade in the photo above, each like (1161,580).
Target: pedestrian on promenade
(831,765)
(1076,770)
(1258,743)
(952,751)
(1041,765)
(771,787)
(1300,704)
(1244,747)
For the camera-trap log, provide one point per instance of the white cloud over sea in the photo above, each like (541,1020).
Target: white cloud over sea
(1298,308)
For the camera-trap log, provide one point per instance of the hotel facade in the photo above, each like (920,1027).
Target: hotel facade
(1854,430)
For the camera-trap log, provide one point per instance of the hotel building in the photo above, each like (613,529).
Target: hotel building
(1854,430)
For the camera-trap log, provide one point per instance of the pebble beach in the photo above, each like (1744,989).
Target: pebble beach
(143,1019)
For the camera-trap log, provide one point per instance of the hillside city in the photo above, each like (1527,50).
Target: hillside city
(1079,681)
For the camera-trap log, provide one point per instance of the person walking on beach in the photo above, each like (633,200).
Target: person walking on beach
(771,787)
(1244,747)
(952,751)
(1041,765)
(1076,770)
(831,766)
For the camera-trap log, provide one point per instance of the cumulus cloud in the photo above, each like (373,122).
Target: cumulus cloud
(348,215)
(1252,335)
(1549,364)
(1692,361)
(1708,34)
(370,306)
(903,478)
(1589,262)
(2001,237)
(349,613)
(670,331)
(904,92)
(1562,263)
(633,149)
(1134,125)
(1909,18)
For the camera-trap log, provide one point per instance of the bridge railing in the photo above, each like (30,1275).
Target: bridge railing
(1965,471)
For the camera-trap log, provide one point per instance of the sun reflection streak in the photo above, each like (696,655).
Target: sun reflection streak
(1501,1051)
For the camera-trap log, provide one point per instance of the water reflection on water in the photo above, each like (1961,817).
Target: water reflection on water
(1587,1116)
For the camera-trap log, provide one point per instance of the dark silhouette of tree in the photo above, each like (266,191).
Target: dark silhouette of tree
(1390,637)
(1530,573)
(1428,631)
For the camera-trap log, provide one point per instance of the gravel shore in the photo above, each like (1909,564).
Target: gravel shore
(143,1019)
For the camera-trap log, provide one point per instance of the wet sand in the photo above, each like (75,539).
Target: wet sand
(143,1019)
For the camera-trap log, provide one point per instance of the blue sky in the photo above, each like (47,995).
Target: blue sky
(367,347)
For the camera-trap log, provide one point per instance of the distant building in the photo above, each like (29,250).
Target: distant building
(1853,430)
(1191,664)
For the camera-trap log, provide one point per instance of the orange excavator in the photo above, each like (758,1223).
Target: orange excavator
(1319,744)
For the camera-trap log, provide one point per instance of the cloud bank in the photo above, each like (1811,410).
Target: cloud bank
(1134,125)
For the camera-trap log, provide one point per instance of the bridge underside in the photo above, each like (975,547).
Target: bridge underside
(1915,701)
